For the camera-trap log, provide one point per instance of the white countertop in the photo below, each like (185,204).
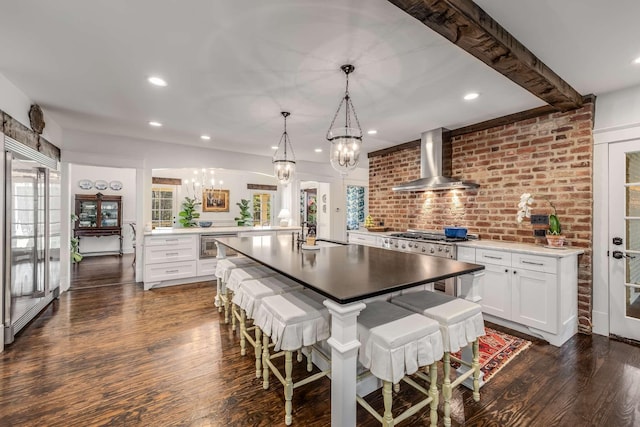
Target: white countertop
(216,230)
(525,248)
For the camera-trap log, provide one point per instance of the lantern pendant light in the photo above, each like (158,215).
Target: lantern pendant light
(346,141)
(284,162)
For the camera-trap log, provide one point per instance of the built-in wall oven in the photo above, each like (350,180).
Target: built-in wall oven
(209,248)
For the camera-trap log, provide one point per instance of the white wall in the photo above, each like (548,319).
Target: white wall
(17,104)
(127,177)
(617,119)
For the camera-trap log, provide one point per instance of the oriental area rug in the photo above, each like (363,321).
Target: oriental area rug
(496,350)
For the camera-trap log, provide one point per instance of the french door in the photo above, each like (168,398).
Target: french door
(624,239)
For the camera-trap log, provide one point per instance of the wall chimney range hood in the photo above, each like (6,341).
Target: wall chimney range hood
(435,165)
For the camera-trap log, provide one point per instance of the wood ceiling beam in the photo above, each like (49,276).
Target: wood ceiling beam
(466,25)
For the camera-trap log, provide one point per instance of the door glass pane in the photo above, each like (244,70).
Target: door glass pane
(632,265)
(355,207)
(633,167)
(162,207)
(633,200)
(55,219)
(88,215)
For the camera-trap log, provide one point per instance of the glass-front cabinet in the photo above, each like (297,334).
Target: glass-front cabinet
(98,215)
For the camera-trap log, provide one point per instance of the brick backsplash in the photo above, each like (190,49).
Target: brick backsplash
(549,156)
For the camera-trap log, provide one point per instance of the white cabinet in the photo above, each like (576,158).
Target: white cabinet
(169,258)
(207,266)
(537,291)
(362,238)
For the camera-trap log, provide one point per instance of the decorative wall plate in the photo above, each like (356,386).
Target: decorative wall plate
(115,185)
(101,185)
(85,184)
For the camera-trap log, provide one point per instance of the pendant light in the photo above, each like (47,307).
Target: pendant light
(346,141)
(284,162)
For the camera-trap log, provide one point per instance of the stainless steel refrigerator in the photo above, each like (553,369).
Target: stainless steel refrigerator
(31,235)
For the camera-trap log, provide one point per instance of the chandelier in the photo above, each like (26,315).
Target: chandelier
(284,162)
(346,141)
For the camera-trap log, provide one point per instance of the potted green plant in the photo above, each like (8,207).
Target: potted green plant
(76,256)
(245,214)
(554,235)
(188,214)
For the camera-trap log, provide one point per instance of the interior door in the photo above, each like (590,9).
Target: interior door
(624,239)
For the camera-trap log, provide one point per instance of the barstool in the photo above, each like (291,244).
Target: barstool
(248,298)
(394,343)
(223,270)
(293,321)
(239,275)
(461,324)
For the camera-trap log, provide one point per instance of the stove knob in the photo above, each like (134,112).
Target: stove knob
(396,245)
(404,246)
(447,250)
(432,250)
(439,248)
(424,249)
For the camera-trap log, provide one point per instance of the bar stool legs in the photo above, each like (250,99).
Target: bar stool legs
(475,365)
(447,390)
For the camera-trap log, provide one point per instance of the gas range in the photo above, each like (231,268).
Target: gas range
(423,242)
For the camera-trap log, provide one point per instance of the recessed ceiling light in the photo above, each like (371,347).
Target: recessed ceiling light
(372,132)
(470,96)
(157,81)
(274,147)
(318,150)
(205,137)
(155,124)
(637,60)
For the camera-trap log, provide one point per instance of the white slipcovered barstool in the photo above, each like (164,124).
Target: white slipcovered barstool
(223,270)
(293,321)
(461,324)
(394,343)
(239,275)
(248,298)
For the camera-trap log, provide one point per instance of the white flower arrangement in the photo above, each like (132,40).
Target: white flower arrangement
(524,207)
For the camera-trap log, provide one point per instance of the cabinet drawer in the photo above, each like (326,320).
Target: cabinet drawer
(164,254)
(466,254)
(534,263)
(362,240)
(170,241)
(488,256)
(207,266)
(169,271)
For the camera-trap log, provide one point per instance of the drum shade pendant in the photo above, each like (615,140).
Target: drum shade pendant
(284,162)
(346,141)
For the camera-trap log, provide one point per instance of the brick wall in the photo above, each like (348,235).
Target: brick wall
(549,156)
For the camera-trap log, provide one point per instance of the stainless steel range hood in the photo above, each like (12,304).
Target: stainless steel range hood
(435,165)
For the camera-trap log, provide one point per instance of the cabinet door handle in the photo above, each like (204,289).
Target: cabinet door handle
(532,263)
(172,253)
(171,271)
(493,257)
(170,240)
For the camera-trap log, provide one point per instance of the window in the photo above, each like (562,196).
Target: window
(162,206)
(261,209)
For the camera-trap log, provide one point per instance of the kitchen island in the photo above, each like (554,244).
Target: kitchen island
(348,275)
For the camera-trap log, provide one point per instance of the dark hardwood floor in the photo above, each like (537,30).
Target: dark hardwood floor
(121,356)
(105,270)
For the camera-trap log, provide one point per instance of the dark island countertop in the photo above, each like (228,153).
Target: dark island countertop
(347,273)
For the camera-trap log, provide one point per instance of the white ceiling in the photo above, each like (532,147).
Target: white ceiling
(232,66)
